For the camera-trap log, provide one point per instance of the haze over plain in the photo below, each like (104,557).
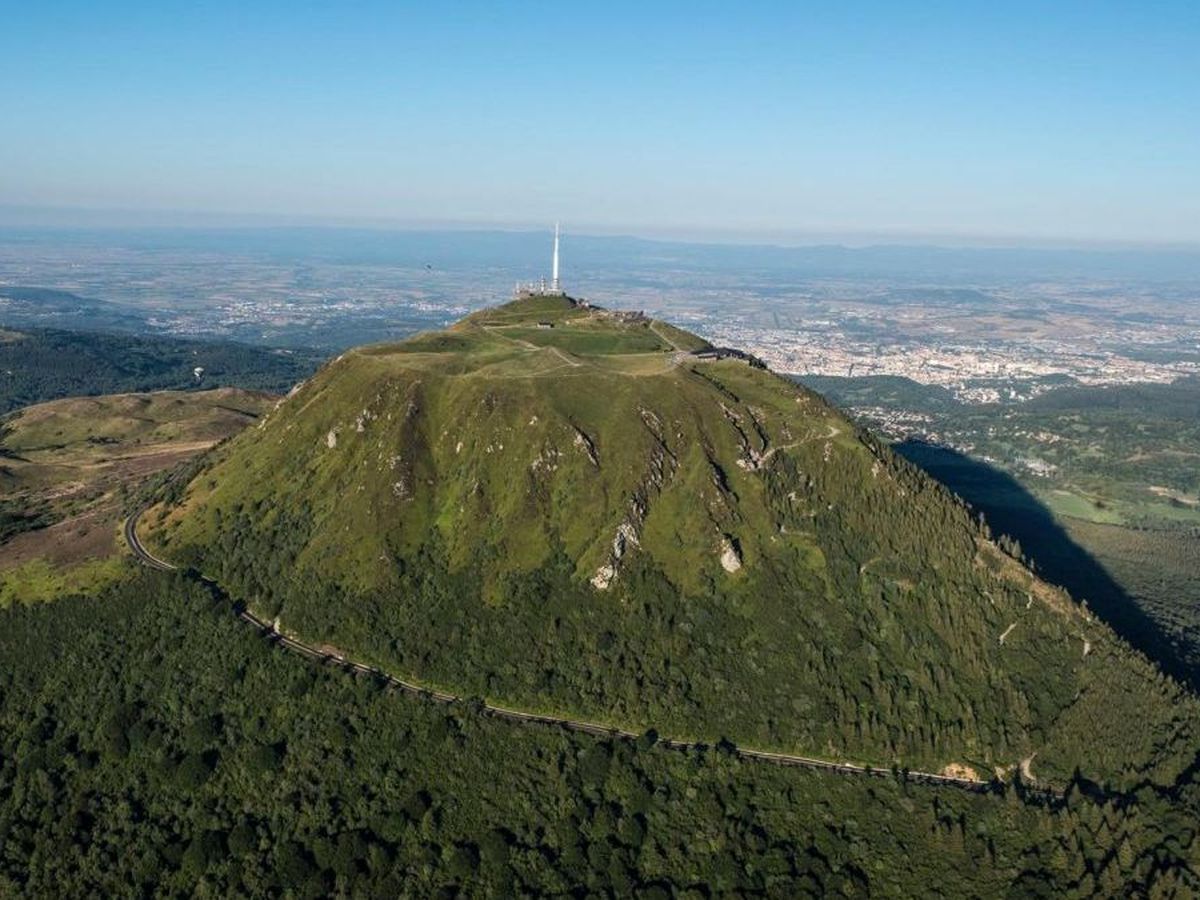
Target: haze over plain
(868,121)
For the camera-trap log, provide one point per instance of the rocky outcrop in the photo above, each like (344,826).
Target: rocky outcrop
(731,556)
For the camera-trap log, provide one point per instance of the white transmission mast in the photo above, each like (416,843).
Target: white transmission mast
(554,269)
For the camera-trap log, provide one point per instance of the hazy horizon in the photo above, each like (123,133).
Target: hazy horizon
(1018,125)
(15,220)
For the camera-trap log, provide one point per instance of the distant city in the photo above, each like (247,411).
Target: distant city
(1002,345)
(981,333)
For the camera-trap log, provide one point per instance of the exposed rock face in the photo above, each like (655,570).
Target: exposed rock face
(731,559)
(662,463)
(331,438)
(604,577)
(625,538)
(585,443)
(959,770)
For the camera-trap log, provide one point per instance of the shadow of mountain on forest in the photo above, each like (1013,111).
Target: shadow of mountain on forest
(1012,510)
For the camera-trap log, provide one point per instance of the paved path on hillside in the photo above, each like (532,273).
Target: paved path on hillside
(144,556)
(269,631)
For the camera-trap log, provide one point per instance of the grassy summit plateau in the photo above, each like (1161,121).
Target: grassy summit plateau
(568,510)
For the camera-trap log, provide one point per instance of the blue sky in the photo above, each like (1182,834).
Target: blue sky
(948,121)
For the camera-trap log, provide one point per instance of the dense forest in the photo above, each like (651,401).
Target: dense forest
(1179,399)
(1127,451)
(151,745)
(45,364)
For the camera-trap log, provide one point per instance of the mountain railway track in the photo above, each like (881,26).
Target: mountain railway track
(278,638)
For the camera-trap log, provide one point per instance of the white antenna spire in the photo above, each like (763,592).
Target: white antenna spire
(554,271)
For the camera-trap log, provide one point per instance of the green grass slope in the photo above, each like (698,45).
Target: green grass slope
(562,509)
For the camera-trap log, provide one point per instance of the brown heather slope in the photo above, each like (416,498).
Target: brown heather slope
(67,465)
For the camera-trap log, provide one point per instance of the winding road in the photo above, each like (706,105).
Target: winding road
(144,556)
(269,631)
